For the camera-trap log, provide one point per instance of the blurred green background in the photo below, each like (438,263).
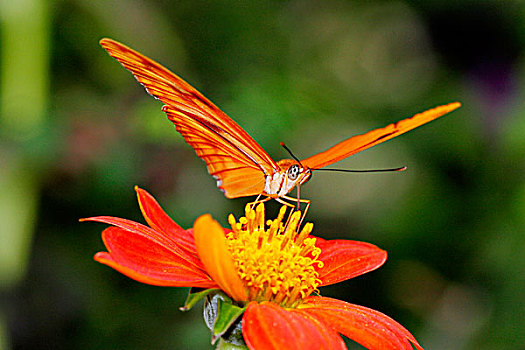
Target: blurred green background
(78,132)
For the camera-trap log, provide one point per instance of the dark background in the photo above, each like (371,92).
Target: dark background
(77,133)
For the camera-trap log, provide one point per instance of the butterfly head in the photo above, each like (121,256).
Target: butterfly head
(298,174)
(292,174)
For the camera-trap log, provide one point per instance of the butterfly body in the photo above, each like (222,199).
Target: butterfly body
(292,174)
(238,163)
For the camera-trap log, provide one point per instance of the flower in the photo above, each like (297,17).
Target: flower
(269,272)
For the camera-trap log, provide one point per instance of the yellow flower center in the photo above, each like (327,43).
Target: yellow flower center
(274,260)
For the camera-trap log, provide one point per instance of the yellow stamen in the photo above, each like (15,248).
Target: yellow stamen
(275,261)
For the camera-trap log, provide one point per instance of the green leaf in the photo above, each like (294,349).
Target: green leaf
(195,295)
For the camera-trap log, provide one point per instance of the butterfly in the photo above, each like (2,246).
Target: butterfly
(240,166)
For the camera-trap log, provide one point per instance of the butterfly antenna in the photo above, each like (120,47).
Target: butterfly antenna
(403,168)
(291,154)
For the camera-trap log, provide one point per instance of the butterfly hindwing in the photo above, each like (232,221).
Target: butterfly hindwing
(237,175)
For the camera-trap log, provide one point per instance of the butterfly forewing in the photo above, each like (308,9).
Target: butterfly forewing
(359,143)
(217,139)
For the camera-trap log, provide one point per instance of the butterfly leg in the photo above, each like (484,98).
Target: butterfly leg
(298,200)
(289,205)
(257,201)
(305,209)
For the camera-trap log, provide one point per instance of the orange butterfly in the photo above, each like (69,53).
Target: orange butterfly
(240,166)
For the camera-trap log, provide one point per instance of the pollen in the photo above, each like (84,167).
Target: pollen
(276,260)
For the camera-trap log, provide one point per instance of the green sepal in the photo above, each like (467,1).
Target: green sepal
(227,326)
(196,294)
(226,317)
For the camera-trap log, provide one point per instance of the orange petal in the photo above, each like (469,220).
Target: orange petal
(160,221)
(344,259)
(157,237)
(267,326)
(368,327)
(148,261)
(212,248)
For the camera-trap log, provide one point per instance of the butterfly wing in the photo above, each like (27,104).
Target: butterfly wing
(236,172)
(232,156)
(359,143)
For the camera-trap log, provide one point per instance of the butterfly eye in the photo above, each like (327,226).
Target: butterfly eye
(293,172)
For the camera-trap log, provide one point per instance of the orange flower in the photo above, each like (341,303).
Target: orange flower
(265,273)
